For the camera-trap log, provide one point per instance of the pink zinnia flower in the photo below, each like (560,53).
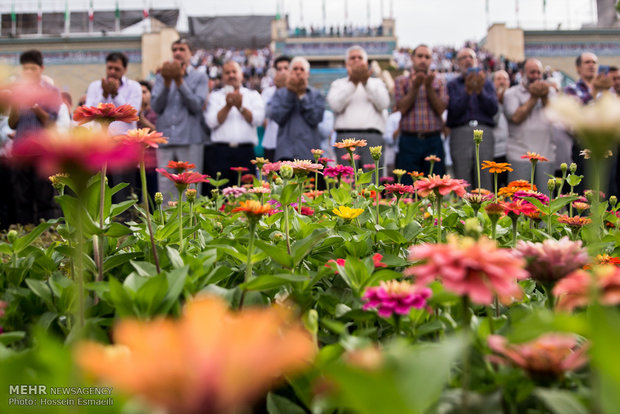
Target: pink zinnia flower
(234,191)
(184,179)
(239,169)
(386,179)
(303,166)
(576,289)
(518,207)
(338,171)
(534,157)
(78,152)
(271,167)
(305,211)
(432,158)
(478,269)
(334,264)
(521,194)
(325,160)
(395,297)
(399,189)
(347,157)
(144,136)
(105,113)
(551,260)
(550,355)
(442,185)
(369,166)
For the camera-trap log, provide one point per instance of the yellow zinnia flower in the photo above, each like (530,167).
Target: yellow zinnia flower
(348,213)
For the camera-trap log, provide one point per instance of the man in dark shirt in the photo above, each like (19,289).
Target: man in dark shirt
(472,105)
(35,105)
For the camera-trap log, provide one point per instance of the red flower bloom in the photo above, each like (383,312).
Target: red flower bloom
(337,262)
(239,169)
(305,211)
(180,166)
(443,185)
(182,180)
(534,157)
(105,113)
(518,207)
(376,259)
(81,151)
(399,189)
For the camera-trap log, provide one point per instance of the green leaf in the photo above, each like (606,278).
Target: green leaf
(558,203)
(121,299)
(42,290)
(268,282)
(341,196)
(278,254)
(289,194)
(118,259)
(120,207)
(574,180)
(365,177)
(175,258)
(560,401)
(10,337)
(23,242)
(117,230)
(176,282)
(301,248)
(151,294)
(280,405)
(6,248)
(144,269)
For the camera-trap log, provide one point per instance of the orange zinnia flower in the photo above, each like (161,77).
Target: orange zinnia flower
(575,221)
(443,185)
(150,139)
(416,175)
(252,208)
(534,157)
(350,143)
(432,158)
(211,360)
(496,167)
(514,186)
(105,113)
(180,166)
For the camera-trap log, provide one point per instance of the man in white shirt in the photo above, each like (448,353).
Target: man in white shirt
(359,103)
(117,89)
(270,139)
(233,113)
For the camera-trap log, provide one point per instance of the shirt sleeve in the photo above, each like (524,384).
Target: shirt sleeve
(93,95)
(378,94)
(281,105)
(256,106)
(194,100)
(340,93)
(216,103)
(511,103)
(159,96)
(488,99)
(312,106)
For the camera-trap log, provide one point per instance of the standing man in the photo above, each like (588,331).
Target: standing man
(233,114)
(421,99)
(528,129)
(501,81)
(472,105)
(281,65)
(298,109)
(117,89)
(358,102)
(178,98)
(614,75)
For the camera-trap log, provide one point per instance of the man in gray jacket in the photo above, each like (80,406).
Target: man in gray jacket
(178,98)
(298,109)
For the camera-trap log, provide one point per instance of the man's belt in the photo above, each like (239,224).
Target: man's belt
(423,134)
(359,131)
(234,144)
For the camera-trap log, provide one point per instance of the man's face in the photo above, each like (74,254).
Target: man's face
(31,72)
(282,67)
(181,53)
(615,78)
(298,71)
(114,69)
(466,59)
(501,81)
(146,95)
(355,58)
(589,66)
(232,75)
(532,71)
(421,59)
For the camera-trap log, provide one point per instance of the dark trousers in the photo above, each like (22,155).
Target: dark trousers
(412,150)
(222,157)
(34,197)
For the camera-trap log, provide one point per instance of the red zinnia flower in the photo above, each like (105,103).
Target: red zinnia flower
(180,166)
(239,169)
(534,157)
(376,260)
(105,113)
(399,189)
(182,180)
(150,139)
(518,207)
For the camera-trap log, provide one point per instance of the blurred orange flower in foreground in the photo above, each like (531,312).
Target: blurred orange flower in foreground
(211,360)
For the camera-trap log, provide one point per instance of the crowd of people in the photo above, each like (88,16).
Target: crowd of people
(208,105)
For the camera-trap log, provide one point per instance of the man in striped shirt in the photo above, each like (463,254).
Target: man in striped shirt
(421,99)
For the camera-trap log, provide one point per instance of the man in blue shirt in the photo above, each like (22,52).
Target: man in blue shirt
(472,105)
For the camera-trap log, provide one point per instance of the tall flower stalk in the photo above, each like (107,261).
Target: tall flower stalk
(477,141)
(375,153)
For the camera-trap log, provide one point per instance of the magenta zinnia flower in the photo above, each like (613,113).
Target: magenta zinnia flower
(476,268)
(521,194)
(550,355)
(395,297)
(338,170)
(399,189)
(551,260)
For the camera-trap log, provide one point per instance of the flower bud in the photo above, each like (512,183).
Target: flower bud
(11,236)
(190,195)
(398,172)
(478,135)
(572,168)
(277,236)
(375,152)
(215,192)
(473,227)
(563,167)
(159,198)
(278,181)
(286,171)
(551,184)
(613,200)
(217,226)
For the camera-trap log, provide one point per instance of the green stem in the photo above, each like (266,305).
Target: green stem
(430,170)
(354,169)
(438,196)
(238,178)
(99,253)
(495,184)
(377,191)
(478,165)
(532,176)
(79,259)
(515,220)
(494,229)
(549,227)
(248,266)
(466,319)
(180,218)
(286,230)
(316,181)
(161,214)
(145,201)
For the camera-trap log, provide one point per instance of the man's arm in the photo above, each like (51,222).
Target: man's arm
(458,99)
(523,111)
(281,105)
(488,99)
(312,107)
(438,104)
(194,100)
(340,93)
(159,97)
(253,108)
(216,102)
(378,94)
(405,102)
